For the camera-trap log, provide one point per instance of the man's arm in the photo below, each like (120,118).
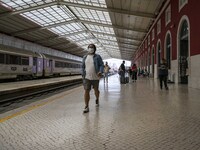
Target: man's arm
(101,65)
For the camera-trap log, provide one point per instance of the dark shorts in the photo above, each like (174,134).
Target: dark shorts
(88,84)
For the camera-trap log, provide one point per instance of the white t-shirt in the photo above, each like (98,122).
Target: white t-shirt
(90,69)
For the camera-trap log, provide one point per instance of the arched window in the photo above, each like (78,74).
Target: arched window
(184,30)
(183,52)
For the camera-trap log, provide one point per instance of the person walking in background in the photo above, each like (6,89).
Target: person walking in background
(106,71)
(134,72)
(92,69)
(122,72)
(130,71)
(163,74)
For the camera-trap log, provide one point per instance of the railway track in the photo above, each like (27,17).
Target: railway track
(36,91)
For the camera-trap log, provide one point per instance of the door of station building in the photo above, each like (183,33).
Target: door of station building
(183,53)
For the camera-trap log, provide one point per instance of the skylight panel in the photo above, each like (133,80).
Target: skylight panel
(99,3)
(67,29)
(105,37)
(107,42)
(49,15)
(92,15)
(111,46)
(58,19)
(87,42)
(100,29)
(78,37)
(21,4)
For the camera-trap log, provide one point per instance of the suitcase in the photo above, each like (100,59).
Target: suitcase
(122,80)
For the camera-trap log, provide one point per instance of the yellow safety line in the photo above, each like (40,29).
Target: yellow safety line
(31,108)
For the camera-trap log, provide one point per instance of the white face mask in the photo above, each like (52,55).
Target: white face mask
(90,50)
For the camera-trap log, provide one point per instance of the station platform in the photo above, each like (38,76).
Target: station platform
(133,116)
(6,88)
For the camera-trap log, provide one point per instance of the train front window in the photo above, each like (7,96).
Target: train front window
(2,58)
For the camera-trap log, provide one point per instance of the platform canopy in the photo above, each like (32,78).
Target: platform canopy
(117,27)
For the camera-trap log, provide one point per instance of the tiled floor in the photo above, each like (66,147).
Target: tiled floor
(135,116)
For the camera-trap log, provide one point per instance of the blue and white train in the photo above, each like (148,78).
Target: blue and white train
(22,64)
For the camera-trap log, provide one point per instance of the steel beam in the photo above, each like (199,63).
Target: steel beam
(7,14)
(42,28)
(127,48)
(113,26)
(74,21)
(136,45)
(63,43)
(114,10)
(120,47)
(72,50)
(116,36)
(87,31)
(58,37)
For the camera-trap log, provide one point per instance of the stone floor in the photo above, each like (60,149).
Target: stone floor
(134,116)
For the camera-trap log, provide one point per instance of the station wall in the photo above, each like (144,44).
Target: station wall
(182,44)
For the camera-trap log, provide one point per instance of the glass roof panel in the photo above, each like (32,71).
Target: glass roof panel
(49,15)
(111,46)
(87,42)
(21,4)
(79,37)
(92,15)
(67,29)
(106,37)
(100,29)
(108,42)
(99,3)
(97,34)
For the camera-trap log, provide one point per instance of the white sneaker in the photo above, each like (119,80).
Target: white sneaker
(86,110)
(97,103)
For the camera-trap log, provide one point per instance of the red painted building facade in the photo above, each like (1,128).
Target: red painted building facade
(174,36)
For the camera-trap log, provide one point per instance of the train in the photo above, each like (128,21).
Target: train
(22,64)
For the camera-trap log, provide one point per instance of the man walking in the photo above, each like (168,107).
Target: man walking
(163,74)
(92,69)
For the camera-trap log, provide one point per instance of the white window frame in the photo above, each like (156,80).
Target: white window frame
(182,3)
(168,15)
(153,34)
(158,26)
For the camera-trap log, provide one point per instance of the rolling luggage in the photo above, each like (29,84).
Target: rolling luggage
(122,80)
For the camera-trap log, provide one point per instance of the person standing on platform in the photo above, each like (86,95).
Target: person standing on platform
(92,69)
(134,72)
(106,71)
(130,71)
(122,72)
(163,74)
